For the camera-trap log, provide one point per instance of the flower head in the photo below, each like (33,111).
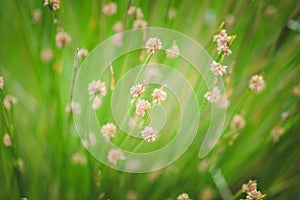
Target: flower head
(250,186)
(148,134)
(8,101)
(36,16)
(173,52)
(109,131)
(1,82)
(52,4)
(136,90)
(257,83)
(217,68)
(109,9)
(139,13)
(74,107)
(7,140)
(62,39)
(238,122)
(46,55)
(139,23)
(82,52)
(159,95)
(223,42)
(97,88)
(96,102)
(142,107)
(214,95)
(153,44)
(115,155)
(118,27)
(183,196)
(254,195)
(131,10)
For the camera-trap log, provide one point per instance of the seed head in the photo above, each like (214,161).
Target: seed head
(153,44)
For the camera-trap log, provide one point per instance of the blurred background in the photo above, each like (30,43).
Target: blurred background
(41,156)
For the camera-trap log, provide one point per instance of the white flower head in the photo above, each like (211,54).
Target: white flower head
(8,101)
(1,82)
(7,140)
(139,13)
(214,95)
(74,107)
(159,95)
(140,24)
(250,186)
(131,10)
(118,27)
(82,52)
(142,107)
(115,155)
(217,68)
(257,83)
(96,102)
(148,134)
(153,44)
(97,88)
(183,196)
(223,42)
(62,39)
(46,55)
(173,52)
(109,131)
(109,9)
(136,90)
(238,122)
(53,4)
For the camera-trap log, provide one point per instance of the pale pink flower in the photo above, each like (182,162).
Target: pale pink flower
(96,102)
(36,16)
(79,158)
(223,42)
(97,88)
(118,27)
(140,24)
(250,186)
(254,195)
(62,39)
(214,95)
(217,68)
(109,9)
(139,13)
(7,140)
(153,44)
(8,101)
(117,40)
(131,10)
(115,155)
(224,101)
(173,52)
(53,4)
(142,107)
(73,107)
(183,196)
(46,55)
(1,82)
(148,134)
(238,122)
(109,131)
(136,90)
(159,95)
(257,83)
(82,53)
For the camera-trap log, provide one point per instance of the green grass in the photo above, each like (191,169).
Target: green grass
(46,141)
